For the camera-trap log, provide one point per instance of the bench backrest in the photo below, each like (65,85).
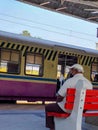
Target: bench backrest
(90,102)
(81,99)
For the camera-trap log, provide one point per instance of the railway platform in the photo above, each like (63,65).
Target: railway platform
(28,120)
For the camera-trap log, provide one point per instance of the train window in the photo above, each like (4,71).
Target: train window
(9,61)
(5,55)
(94,72)
(34,64)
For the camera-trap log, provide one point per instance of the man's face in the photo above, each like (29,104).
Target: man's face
(73,71)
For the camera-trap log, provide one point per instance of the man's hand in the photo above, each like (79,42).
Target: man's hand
(59,98)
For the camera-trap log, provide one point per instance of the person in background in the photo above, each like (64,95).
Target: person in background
(58,85)
(69,75)
(77,71)
(60,81)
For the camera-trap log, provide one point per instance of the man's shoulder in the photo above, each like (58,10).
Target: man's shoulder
(88,83)
(69,79)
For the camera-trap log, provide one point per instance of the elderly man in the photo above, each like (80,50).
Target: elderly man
(77,71)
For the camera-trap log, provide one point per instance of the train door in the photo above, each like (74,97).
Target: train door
(64,62)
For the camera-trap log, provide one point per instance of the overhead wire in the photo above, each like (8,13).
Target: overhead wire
(35,22)
(40,28)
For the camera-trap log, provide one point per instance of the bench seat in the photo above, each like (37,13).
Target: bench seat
(85,114)
(80,102)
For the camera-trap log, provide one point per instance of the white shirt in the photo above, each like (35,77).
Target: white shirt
(71,83)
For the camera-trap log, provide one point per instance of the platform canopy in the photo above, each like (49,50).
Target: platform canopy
(83,9)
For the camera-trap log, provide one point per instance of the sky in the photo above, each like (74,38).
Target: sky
(15,17)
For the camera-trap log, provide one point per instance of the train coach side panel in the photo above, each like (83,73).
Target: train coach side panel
(27,89)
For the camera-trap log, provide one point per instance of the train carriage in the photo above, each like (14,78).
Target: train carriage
(29,67)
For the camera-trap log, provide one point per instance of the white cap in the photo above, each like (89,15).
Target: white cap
(78,67)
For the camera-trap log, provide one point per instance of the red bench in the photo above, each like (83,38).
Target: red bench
(84,102)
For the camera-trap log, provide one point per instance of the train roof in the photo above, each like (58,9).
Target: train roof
(27,39)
